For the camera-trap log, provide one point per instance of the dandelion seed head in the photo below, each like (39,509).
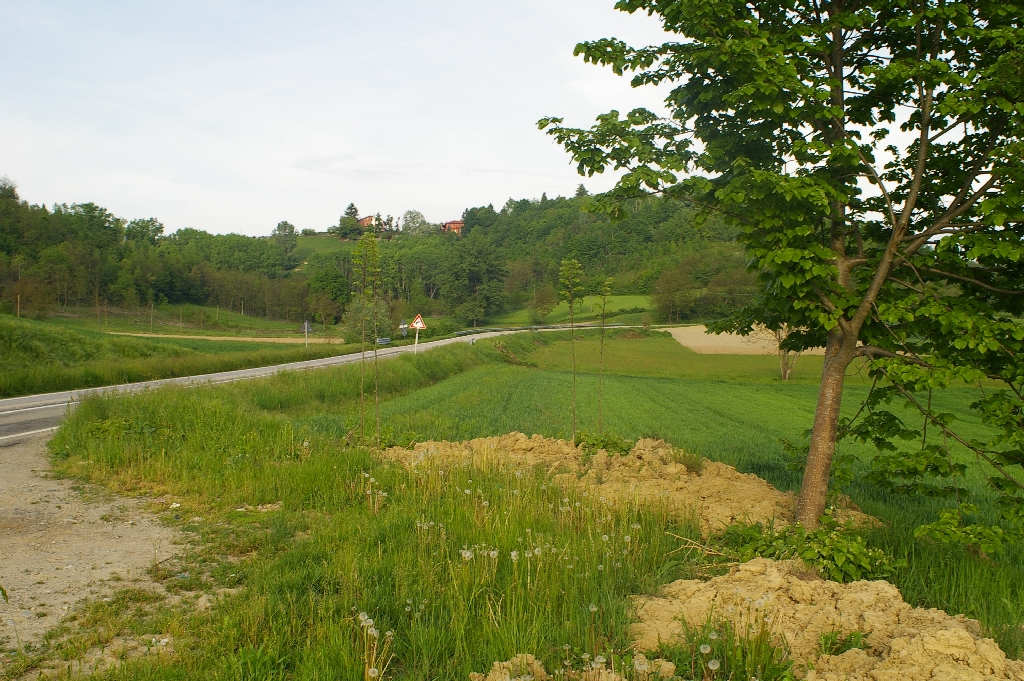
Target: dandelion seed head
(373,672)
(604,537)
(600,567)
(713,635)
(593,608)
(713,664)
(537,551)
(705,648)
(373,632)
(627,539)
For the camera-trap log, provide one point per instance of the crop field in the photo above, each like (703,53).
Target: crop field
(306,534)
(38,357)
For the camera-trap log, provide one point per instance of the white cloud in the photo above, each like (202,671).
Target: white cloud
(231,116)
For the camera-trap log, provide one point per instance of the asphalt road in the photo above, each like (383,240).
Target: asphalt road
(24,416)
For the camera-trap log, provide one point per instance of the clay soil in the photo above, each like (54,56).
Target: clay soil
(903,643)
(653,473)
(60,544)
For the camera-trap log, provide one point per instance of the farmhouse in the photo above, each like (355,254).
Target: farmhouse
(368,221)
(453,226)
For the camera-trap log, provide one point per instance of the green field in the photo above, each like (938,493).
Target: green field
(588,311)
(191,320)
(329,554)
(308,245)
(37,357)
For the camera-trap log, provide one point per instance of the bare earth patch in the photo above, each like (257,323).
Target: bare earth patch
(697,339)
(58,547)
(904,643)
(718,495)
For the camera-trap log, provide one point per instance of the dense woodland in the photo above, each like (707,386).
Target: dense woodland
(81,257)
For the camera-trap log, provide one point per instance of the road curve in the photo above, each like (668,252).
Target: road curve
(24,416)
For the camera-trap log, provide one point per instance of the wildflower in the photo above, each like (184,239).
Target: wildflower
(604,537)
(599,661)
(363,617)
(408,608)
(373,632)
(713,664)
(705,648)
(759,603)
(373,672)
(515,492)
(468,491)
(514,556)
(466,555)
(486,503)
(600,567)
(713,635)
(635,526)
(640,663)
(493,554)
(593,608)
(537,551)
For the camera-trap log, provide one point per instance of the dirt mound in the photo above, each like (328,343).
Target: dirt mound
(903,642)
(653,472)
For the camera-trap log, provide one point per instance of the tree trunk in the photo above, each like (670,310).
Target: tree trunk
(839,352)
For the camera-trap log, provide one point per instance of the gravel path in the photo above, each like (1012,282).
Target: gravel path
(60,543)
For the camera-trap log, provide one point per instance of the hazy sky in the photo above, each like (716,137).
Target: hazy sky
(232,116)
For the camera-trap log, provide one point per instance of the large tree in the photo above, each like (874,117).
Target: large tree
(871,153)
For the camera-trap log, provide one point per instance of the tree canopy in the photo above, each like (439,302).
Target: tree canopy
(870,154)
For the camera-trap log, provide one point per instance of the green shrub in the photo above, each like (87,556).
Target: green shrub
(613,444)
(834,550)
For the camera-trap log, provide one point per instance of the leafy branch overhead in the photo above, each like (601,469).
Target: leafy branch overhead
(872,156)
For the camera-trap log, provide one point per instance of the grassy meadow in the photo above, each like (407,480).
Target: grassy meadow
(463,565)
(38,357)
(185,319)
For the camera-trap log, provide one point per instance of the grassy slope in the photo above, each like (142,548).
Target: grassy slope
(326,555)
(308,245)
(40,357)
(180,319)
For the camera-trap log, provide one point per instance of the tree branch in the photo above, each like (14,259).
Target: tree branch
(972,281)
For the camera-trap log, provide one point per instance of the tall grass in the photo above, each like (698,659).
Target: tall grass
(338,546)
(464,565)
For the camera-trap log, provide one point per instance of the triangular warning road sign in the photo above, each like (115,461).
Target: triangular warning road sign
(418,323)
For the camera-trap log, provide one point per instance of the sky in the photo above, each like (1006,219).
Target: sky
(231,116)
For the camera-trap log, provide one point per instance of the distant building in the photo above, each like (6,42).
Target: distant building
(368,221)
(453,226)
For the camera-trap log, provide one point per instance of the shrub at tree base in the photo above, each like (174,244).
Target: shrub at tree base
(902,642)
(833,549)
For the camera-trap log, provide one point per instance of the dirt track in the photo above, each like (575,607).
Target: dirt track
(697,339)
(60,544)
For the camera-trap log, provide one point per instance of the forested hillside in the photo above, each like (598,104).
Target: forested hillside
(80,257)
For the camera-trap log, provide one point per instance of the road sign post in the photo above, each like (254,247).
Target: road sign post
(417,324)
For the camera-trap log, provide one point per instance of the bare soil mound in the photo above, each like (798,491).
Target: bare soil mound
(904,643)
(654,472)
